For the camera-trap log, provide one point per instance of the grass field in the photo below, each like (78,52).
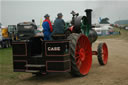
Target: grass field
(6,67)
(123,34)
(8,77)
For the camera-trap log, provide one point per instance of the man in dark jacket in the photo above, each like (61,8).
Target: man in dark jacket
(59,24)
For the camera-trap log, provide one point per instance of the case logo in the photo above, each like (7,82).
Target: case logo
(54,49)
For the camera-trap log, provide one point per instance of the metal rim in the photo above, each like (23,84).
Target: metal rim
(105,53)
(83,55)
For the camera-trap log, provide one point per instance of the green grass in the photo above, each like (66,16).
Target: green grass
(6,66)
(123,35)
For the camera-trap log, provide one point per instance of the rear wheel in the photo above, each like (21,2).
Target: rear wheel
(102,53)
(81,54)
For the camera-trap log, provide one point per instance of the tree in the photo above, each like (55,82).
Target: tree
(104,21)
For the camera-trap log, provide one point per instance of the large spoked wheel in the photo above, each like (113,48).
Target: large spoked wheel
(102,53)
(81,54)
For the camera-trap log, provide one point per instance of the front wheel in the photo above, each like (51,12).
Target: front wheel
(102,53)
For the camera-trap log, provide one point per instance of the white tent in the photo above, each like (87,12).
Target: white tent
(103,29)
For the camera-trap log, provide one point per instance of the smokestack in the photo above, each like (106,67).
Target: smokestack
(89,17)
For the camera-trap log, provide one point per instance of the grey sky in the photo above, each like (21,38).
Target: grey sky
(14,11)
(0,10)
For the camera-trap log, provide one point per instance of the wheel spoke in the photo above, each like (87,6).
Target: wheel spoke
(78,60)
(77,57)
(77,53)
(79,64)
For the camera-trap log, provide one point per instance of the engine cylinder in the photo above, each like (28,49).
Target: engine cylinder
(92,36)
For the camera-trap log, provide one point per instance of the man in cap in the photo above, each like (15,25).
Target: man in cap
(47,27)
(59,24)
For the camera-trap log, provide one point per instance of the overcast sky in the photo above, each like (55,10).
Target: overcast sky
(15,11)
(0,10)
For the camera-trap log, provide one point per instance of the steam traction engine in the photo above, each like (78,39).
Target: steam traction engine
(69,52)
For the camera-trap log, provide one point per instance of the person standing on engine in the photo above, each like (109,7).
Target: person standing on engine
(47,27)
(59,24)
